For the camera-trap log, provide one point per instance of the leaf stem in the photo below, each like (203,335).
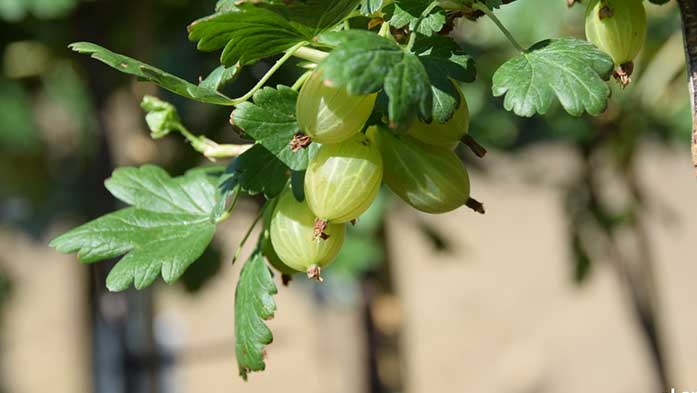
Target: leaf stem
(310,54)
(287,55)
(299,83)
(248,234)
(482,7)
(412,40)
(209,148)
(233,203)
(384,31)
(412,36)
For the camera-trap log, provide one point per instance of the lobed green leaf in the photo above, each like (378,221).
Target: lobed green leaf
(254,304)
(408,13)
(248,32)
(445,62)
(256,171)
(573,70)
(167,228)
(364,63)
(270,120)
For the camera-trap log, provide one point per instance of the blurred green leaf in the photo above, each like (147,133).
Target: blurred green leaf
(17,132)
(16,10)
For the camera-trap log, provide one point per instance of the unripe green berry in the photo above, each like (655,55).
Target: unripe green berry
(330,114)
(294,239)
(343,179)
(617,27)
(431,179)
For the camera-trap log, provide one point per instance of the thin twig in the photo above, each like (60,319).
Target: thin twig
(482,7)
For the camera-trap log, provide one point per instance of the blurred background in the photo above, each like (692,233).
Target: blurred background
(578,279)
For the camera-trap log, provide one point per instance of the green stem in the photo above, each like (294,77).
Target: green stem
(310,54)
(298,83)
(248,234)
(412,40)
(289,53)
(384,30)
(233,203)
(209,148)
(412,36)
(482,7)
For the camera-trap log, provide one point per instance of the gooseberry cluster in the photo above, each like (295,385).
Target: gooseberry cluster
(345,174)
(380,103)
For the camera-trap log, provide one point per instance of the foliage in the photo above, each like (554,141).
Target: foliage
(571,69)
(168,227)
(401,53)
(254,305)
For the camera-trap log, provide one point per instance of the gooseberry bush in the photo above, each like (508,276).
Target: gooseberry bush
(380,101)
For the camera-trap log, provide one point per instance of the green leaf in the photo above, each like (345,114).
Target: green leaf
(225,5)
(573,70)
(364,62)
(149,73)
(219,78)
(413,7)
(249,32)
(167,228)
(162,117)
(297,185)
(270,120)
(369,7)
(151,188)
(254,304)
(257,171)
(408,87)
(445,62)
(408,14)
(19,133)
